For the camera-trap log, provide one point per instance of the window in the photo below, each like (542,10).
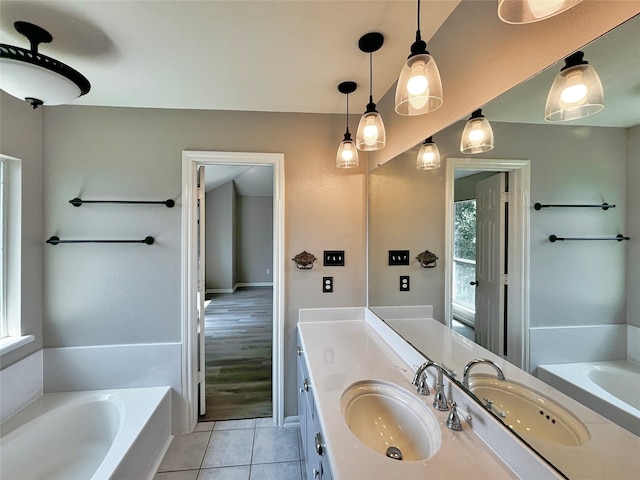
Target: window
(464,261)
(11,336)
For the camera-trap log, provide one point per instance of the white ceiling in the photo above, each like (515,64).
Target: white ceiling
(275,56)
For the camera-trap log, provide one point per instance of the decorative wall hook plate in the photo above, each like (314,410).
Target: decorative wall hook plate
(304,260)
(427,259)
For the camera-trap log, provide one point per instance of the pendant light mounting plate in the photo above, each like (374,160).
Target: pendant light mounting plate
(347,87)
(371,42)
(34,33)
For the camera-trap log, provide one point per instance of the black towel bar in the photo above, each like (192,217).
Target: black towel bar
(76,202)
(604,206)
(619,238)
(56,240)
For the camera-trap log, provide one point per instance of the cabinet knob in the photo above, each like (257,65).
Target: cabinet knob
(305,385)
(319,446)
(299,350)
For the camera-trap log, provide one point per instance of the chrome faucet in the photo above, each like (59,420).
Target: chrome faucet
(467,368)
(440,400)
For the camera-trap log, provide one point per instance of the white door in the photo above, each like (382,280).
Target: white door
(490,263)
(200,292)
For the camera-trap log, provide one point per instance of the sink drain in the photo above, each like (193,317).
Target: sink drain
(394,452)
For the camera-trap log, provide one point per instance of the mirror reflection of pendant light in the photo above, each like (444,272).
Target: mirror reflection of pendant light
(347,156)
(477,136)
(36,78)
(428,156)
(528,11)
(419,87)
(575,93)
(371,134)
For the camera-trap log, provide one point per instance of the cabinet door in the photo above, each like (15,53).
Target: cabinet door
(302,411)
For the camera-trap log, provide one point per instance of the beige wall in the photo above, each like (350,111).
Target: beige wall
(102,294)
(254,243)
(21,137)
(220,227)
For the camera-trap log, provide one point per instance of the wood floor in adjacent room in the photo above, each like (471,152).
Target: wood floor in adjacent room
(238,351)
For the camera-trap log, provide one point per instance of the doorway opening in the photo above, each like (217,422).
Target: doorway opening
(513,308)
(238,308)
(193,275)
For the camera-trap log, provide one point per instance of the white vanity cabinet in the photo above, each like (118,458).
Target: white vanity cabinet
(313,446)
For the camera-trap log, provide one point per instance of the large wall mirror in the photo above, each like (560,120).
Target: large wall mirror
(564,301)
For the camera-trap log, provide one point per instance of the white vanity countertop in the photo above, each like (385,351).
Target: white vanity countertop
(341,352)
(611,453)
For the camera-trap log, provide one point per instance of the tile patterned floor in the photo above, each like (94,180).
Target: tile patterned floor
(250,449)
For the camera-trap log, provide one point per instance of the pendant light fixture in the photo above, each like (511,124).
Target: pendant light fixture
(528,11)
(371,134)
(575,93)
(428,156)
(36,78)
(419,87)
(347,156)
(477,136)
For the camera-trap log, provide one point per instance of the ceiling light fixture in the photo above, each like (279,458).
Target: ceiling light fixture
(575,93)
(347,156)
(428,156)
(371,134)
(528,11)
(36,78)
(477,136)
(419,87)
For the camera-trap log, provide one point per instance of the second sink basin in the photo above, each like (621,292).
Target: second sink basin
(528,412)
(389,419)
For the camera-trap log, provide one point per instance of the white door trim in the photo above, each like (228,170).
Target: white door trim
(190,161)
(519,247)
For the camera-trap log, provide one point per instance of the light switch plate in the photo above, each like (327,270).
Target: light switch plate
(334,258)
(398,257)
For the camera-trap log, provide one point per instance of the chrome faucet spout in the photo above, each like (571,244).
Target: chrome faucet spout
(484,361)
(440,401)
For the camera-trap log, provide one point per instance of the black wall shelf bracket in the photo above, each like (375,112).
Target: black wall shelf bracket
(76,202)
(603,206)
(56,240)
(619,238)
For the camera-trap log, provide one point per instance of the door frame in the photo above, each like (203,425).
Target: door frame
(191,160)
(518,253)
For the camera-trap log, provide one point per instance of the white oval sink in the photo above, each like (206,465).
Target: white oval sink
(384,415)
(528,412)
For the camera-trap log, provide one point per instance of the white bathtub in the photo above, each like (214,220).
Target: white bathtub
(610,388)
(102,434)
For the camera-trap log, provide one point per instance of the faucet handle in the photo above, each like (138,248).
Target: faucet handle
(453,420)
(423,386)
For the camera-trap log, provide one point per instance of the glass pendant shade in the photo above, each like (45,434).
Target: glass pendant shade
(428,156)
(477,136)
(575,93)
(371,134)
(528,11)
(419,87)
(347,156)
(36,78)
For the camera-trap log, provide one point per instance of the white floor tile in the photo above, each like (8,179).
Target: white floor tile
(228,448)
(276,471)
(204,427)
(185,452)
(225,473)
(276,444)
(181,475)
(266,422)
(235,424)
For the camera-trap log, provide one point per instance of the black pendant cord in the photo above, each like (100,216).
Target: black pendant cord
(418,30)
(347,113)
(370,77)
